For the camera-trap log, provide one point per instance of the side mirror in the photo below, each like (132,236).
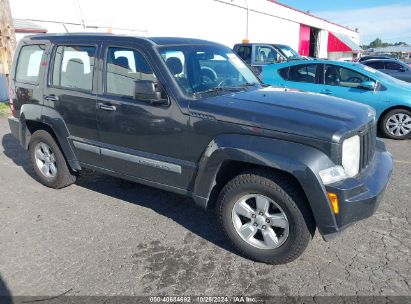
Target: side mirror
(368,85)
(402,69)
(149,91)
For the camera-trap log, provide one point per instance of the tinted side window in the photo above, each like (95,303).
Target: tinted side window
(393,66)
(284,73)
(378,65)
(28,63)
(303,73)
(245,53)
(73,67)
(339,76)
(123,68)
(265,54)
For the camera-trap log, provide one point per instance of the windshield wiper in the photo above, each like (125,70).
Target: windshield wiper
(211,90)
(249,84)
(229,89)
(219,89)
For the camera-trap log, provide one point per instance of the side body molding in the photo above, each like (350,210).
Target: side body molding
(299,160)
(51,118)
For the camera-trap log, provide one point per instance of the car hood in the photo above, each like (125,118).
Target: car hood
(288,111)
(400,85)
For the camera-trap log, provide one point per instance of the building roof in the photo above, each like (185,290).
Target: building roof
(393,49)
(341,43)
(26,26)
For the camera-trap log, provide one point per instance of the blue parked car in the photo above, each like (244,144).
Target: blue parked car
(390,97)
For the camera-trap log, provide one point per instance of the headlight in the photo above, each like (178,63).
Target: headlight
(332,175)
(351,155)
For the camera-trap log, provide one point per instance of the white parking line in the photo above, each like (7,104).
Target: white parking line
(402,162)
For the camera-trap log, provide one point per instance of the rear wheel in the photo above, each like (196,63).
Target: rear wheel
(396,124)
(265,217)
(48,161)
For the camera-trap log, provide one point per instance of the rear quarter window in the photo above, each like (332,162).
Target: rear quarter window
(284,73)
(245,53)
(28,63)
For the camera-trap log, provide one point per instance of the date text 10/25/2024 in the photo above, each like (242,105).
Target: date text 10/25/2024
(202,299)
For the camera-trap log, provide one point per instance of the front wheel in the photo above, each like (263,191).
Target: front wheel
(265,217)
(396,124)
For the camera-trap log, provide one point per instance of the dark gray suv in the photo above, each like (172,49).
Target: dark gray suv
(188,116)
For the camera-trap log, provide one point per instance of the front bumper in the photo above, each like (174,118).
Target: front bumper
(14,124)
(360,197)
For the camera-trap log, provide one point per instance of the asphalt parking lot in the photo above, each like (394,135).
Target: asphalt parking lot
(106,236)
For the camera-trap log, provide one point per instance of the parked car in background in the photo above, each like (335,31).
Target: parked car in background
(390,97)
(257,55)
(364,58)
(395,68)
(274,165)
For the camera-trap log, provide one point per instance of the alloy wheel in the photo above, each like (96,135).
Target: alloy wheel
(45,160)
(260,221)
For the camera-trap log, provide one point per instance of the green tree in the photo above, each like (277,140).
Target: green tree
(376,43)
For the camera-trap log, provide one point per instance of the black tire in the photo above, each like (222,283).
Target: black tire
(386,117)
(64,177)
(285,193)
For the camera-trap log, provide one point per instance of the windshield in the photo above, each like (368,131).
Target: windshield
(288,52)
(202,69)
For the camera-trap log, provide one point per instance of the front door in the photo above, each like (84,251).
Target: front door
(345,83)
(139,139)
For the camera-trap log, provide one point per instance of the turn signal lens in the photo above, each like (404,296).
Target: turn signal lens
(334,202)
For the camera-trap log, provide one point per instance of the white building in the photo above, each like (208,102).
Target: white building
(223,21)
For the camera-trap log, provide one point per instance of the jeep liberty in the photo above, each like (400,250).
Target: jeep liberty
(188,116)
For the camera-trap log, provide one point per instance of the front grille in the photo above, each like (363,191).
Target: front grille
(368,139)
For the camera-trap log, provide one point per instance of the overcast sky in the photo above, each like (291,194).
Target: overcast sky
(388,20)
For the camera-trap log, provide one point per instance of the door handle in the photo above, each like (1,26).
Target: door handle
(106,107)
(51,97)
(326,92)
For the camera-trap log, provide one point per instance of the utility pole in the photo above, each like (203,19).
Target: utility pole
(7,38)
(246,40)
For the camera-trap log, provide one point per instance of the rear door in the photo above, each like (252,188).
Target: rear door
(71,92)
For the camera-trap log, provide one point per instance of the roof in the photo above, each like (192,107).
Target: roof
(25,26)
(178,40)
(347,64)
(103,36)
(385,60)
